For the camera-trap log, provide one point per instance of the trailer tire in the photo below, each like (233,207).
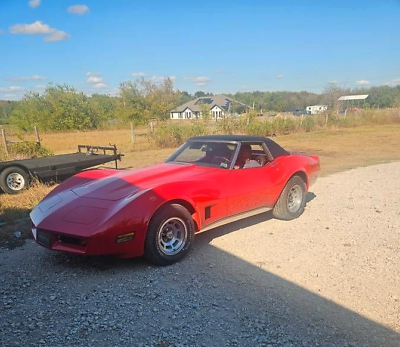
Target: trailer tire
(13,180)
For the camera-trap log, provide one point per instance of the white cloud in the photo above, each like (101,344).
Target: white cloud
(26,78)
(363,82)
(40,86)
(39,28)
(139,74)
(94,79)
(279,77)
(36,28)
(10,96)
(12,89)
(34,3)
(100,85)
(78,9)
(56,36)
(1,32)
(393,83)
(201,81)
(160,79)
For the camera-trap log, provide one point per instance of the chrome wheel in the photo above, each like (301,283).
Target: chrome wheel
(294,199)
(15,181)
(169,235)
(172,236)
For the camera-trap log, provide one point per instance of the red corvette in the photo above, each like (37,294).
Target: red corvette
(157,210)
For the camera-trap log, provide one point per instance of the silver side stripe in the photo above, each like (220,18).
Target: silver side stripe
(235,218)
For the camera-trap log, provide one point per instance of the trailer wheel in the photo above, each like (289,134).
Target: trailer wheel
(13,180)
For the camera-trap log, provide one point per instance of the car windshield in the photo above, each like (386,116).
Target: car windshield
(205,153)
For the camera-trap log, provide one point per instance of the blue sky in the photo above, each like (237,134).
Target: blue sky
(214,46)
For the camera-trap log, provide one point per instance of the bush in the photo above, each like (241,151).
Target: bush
(284,126)
(173,135)
(258,128)
(26,150)
(308,124)
(228,126)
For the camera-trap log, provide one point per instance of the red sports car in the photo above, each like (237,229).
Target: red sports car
(157,210)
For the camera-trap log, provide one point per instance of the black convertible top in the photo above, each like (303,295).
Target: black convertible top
(274,148)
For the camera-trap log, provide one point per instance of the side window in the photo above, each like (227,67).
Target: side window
(251,155)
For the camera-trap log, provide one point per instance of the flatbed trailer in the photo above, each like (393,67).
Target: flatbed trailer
(15,175)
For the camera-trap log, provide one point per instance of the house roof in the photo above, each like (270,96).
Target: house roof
(220,100)
(353,97)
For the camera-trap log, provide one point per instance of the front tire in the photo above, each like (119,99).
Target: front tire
(13,180)
(292,200)
(170,235)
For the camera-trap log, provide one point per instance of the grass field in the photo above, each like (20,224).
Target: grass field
(338,150)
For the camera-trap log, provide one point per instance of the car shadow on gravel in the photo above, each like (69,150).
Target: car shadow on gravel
(310,317)
(310,197)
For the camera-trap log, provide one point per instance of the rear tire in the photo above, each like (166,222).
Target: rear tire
(292,200)
(13,180)
(170,235)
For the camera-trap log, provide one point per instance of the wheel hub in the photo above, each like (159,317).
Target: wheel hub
(15,181)
(169,234)
(172,236)
(294,199)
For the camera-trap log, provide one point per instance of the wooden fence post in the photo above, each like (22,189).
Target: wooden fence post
(132,133)
(37,135)
(3,135)
(151,127)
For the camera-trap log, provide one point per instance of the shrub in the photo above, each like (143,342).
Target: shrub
(308,124)
(173,135)
(228,126)
(25,150)
(284,126)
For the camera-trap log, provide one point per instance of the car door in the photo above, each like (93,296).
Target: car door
(253,187)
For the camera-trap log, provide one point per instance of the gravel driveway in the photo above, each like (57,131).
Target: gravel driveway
(329,278)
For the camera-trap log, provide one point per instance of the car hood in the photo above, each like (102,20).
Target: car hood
(126,183)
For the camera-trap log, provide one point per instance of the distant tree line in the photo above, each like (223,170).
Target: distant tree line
(62,107)
(379,97)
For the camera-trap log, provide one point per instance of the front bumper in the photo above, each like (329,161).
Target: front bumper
(117,244)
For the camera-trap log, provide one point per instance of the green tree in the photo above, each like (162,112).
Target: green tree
(60,107)
(131,105)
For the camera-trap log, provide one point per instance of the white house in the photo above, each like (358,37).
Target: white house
(218,106)
(316,109)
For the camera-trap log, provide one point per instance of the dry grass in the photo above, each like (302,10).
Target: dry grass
(339,150)
(14,212)
(67,142)
(345,149)
(14,207)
